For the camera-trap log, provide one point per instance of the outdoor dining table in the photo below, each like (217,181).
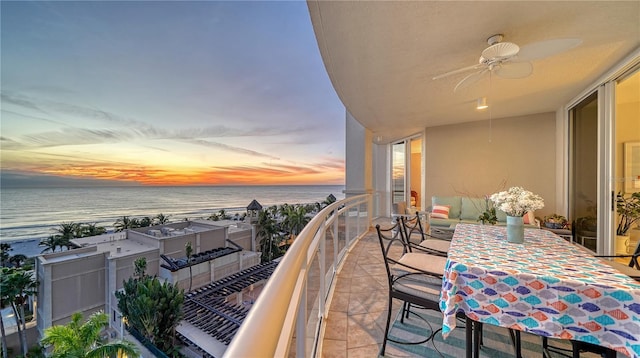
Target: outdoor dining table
(546,286)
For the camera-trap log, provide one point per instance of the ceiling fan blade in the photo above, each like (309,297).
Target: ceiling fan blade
(460,70)
(501,50)
(542,49)
(514,69)
(470,79)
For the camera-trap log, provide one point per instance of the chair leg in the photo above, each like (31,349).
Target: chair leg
(404,310)
(386,329)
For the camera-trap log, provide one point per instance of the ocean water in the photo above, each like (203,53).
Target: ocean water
(28,215)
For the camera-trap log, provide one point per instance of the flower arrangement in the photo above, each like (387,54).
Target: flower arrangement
(516,201)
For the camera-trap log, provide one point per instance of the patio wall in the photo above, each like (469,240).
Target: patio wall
(470,159)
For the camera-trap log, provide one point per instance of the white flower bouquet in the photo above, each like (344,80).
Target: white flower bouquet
(516,201)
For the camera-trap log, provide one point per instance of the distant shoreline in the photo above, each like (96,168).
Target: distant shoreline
(30,215)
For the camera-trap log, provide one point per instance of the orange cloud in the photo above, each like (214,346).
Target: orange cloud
(326,172)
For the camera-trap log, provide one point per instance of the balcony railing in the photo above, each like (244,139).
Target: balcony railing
(286,319)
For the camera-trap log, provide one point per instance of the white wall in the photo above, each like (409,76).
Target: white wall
(476,159)
(358,158)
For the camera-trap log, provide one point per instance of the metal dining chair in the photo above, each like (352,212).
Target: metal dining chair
(632,269)
(415,235)
(413,278)
(416,279)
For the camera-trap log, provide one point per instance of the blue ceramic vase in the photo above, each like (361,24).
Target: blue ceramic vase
(515,229)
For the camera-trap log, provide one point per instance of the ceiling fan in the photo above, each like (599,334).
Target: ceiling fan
(508,60)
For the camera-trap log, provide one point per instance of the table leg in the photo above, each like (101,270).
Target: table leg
(518,345)
(469,336)
(477,326)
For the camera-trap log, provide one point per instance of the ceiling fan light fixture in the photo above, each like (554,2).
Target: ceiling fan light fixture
(482,103)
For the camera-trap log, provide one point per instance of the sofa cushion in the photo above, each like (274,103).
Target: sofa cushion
(454,203)
(472,208)
(529,218)
(440,211)
(501,216)
(434,222)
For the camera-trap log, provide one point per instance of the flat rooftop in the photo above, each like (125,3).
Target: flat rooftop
(117,245)
(232,225)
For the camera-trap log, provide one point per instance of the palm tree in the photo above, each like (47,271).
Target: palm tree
(17,285)
(222,214)
(50,243)
(6,297)
(189,251)
(68,230)
(83,340)
(267,232)
(18,259)
(92,229)
(140,266)
(161,219)
(152,308)
(126,223)
(296,219)
(146,221)
(4,253)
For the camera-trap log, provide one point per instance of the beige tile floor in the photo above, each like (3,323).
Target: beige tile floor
(357,316)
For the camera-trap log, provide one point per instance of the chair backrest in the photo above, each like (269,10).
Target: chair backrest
(412,227)
(392,245)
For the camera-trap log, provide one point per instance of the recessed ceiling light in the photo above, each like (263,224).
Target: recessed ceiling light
(482,103)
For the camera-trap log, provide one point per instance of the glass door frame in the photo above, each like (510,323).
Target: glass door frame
(605,86)
(407,169)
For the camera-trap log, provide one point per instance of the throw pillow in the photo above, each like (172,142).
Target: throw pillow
(440,212)
(529,218)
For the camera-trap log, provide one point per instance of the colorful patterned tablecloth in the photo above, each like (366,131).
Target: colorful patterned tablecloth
(545,286)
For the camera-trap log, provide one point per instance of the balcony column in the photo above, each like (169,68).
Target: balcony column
(358,158)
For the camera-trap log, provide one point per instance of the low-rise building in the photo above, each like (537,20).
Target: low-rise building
(85,279)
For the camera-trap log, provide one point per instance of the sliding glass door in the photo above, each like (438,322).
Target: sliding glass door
(604,134)
(627,155)
(398,178)
(406,175)
(583,170)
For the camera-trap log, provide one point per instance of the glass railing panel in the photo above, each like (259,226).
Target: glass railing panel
(312,301)
(331,258)
(338,228)
(352,226)
(293,302)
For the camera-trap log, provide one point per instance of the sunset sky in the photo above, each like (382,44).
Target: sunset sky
(163,93)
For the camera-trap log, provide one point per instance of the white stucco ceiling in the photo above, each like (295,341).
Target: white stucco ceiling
(381,56)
